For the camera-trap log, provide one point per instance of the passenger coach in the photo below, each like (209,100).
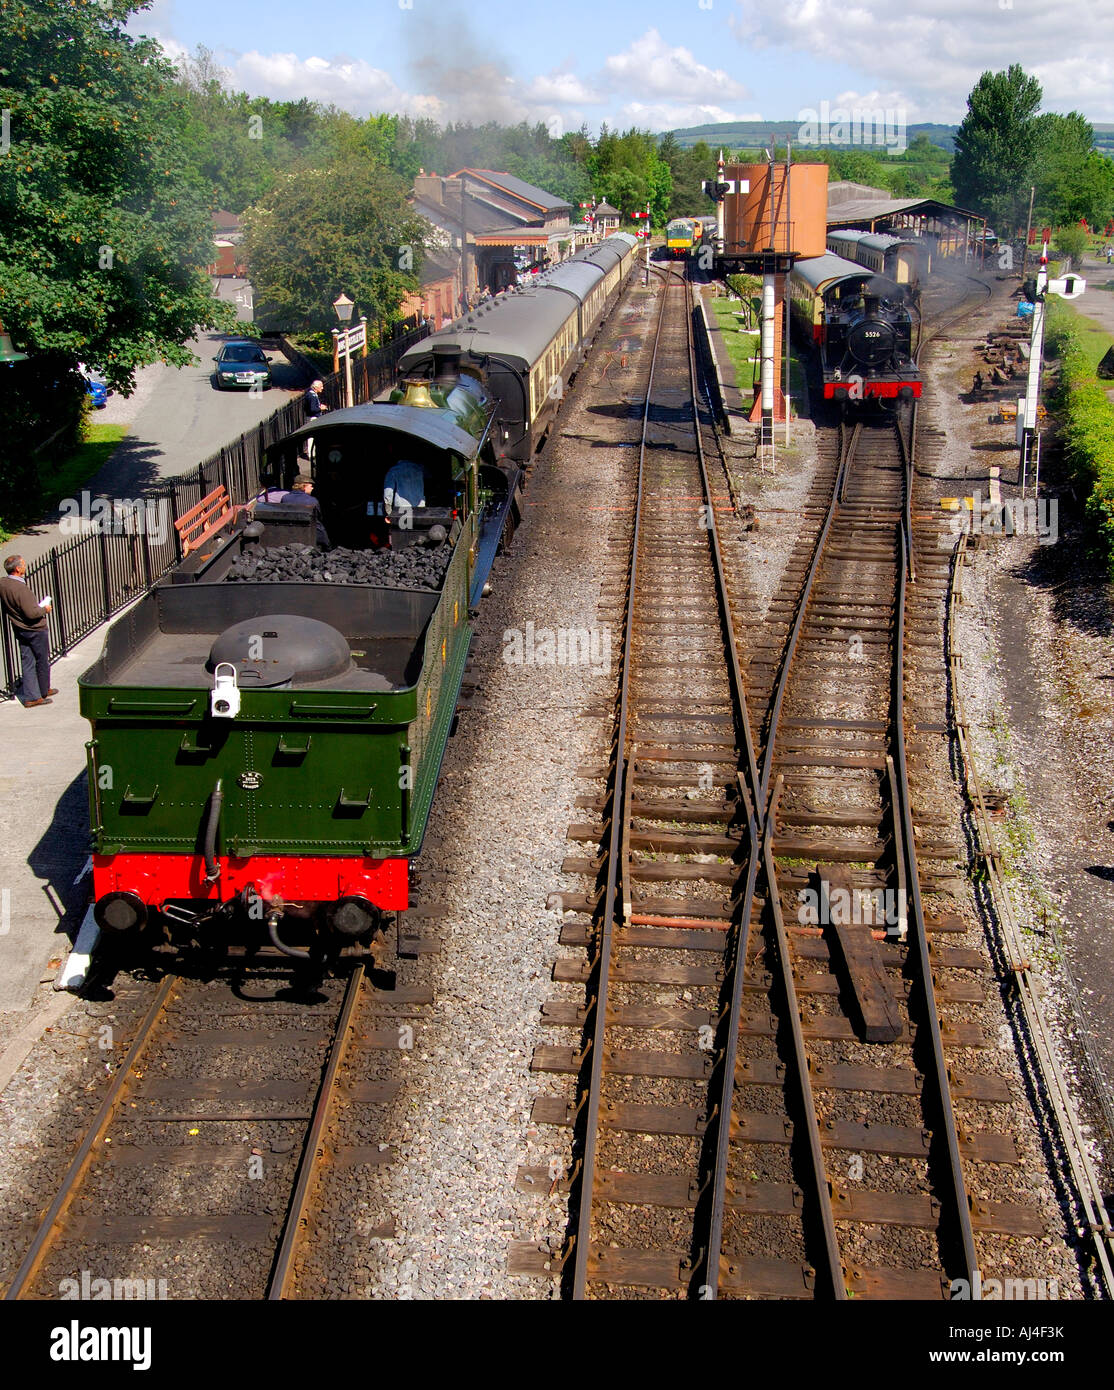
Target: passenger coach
(905,260)
(530,342)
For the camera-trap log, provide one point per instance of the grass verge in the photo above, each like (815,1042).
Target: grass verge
(65,478)
(742,344)
(1087,413)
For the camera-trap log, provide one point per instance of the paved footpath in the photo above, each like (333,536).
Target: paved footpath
(1097,301)
(44,828)
(176,419)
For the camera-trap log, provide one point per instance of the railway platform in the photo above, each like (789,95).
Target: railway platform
(44,831)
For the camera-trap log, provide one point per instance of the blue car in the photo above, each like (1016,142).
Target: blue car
(97,392)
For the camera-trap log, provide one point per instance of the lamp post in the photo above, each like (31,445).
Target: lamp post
(9,353)
(342,307)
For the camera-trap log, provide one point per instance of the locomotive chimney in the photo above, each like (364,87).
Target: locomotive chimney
(446,365)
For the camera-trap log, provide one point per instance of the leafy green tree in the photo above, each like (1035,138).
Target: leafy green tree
(345,228)
(996,147)
(1072,179)
(102,241)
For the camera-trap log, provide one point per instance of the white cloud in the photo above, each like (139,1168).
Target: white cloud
(655,68)
(928,54)
(563,88)
(350,83)
(666,116)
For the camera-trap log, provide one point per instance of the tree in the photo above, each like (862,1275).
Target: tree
(1072,179)
(344,228)
(626,171)
(1072,242)
(996,147)
(102,242)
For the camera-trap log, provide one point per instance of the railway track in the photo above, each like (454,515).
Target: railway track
(229,1129)
(765,1104)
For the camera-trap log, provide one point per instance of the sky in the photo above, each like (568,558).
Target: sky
(656,65)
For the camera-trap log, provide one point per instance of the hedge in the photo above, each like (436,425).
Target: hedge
(1087,430)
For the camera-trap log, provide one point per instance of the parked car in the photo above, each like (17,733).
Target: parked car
(242,363)
(95,388)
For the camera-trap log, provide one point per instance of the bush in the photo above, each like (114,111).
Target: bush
(1072,242)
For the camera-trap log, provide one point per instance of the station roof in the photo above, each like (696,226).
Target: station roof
(518,188)
(866,211)
(519,236)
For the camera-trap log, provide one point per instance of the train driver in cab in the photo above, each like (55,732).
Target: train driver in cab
(403,487)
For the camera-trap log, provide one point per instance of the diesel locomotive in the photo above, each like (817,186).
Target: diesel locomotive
(860,325)
(269,721)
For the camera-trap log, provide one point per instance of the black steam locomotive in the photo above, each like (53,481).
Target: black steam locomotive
(861,326)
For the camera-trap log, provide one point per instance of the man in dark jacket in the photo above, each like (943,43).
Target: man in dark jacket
(28,618)
(314,408)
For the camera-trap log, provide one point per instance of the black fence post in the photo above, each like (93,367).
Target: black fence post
(104,572)
(174,520)
(9,664)
(59,603)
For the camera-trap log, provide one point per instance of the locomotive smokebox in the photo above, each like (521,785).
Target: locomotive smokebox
(872,341)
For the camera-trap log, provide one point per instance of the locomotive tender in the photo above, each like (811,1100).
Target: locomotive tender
(861,328)
(269,721)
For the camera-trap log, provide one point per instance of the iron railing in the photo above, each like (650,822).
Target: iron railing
(95,574)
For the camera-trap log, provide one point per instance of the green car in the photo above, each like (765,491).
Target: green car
(242,363)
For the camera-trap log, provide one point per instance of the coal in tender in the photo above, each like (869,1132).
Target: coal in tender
(411,567)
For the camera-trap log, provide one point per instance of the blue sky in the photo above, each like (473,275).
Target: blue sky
(656,65)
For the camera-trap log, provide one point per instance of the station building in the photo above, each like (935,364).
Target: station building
(484,218)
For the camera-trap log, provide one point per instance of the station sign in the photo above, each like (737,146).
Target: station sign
(351,339)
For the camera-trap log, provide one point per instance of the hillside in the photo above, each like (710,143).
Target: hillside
(736,135)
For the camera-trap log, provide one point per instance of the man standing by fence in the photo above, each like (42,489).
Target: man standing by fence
(29,623)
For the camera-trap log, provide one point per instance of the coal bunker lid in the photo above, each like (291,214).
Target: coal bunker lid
(280,647)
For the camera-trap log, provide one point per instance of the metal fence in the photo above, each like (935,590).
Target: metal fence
(125,550)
